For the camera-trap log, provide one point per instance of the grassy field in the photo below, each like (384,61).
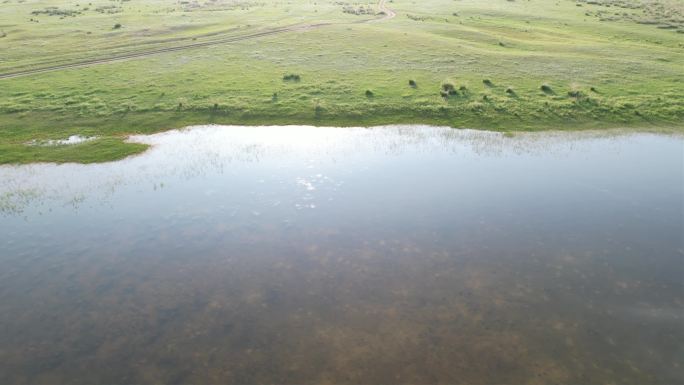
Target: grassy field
(144,66)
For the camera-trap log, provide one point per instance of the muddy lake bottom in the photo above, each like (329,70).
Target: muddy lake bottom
(300,255)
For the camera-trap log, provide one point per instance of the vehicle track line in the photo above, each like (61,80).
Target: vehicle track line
(382,6)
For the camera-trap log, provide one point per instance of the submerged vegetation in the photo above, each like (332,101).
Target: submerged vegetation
(560,67)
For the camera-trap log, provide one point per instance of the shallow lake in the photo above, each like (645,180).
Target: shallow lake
(299,255)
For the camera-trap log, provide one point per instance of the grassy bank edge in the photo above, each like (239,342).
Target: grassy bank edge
(112,131)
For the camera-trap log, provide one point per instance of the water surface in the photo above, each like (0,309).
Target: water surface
(299,255)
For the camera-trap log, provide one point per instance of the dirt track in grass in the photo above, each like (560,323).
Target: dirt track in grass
(385,11)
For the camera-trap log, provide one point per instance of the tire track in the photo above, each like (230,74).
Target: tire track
(389,13)
(382,6)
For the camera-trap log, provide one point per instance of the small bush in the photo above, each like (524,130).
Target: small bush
(117,26)
(448,89)
(369,94)
(463,88)
(56,11)
(594,90)
(510,91)
(360,10)
(291,78)
(412,83)
(575,94)
(488,83)
(546,89)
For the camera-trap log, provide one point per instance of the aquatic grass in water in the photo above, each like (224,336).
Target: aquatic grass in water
(73,139)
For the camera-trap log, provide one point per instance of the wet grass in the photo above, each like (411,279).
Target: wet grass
(403,62)
(98,150)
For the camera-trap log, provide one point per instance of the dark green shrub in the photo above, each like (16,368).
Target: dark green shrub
(292,78)
(449,89)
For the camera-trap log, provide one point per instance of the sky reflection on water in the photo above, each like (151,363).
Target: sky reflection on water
(403,254)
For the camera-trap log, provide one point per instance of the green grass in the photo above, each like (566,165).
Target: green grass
(604,72)
(99,150)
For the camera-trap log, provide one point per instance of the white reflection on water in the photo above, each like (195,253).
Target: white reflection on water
(202,150)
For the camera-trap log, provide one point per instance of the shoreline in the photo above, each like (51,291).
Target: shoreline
(112,135)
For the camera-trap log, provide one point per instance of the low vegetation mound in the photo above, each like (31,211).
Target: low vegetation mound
(665,14)
(292,77)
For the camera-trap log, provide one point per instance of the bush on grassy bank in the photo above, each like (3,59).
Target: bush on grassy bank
(292,78)
(547,89)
